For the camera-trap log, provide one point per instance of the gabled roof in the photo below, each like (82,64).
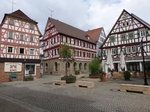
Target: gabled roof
(20,15)
(69,30)
(132,15)
(95,33)
(141,20)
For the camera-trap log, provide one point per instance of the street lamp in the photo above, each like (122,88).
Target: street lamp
(142,53)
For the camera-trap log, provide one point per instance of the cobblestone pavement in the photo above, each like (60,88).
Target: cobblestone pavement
(41,96)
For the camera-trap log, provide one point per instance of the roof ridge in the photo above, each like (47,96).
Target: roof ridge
(21,15)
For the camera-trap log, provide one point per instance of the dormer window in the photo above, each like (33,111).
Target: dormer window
(11,22)
(31,27)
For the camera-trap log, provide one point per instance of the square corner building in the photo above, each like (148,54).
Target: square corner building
(19,46)
(58,33)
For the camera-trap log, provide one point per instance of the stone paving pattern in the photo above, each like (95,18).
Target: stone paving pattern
(42,96)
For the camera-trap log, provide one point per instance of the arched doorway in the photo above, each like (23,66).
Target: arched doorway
(80,66)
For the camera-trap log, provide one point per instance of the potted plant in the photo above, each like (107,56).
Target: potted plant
(94,68)
(102,76)
(127,75)
(77,72)
(28,78)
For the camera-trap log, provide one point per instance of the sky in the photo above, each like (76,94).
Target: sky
(83,14)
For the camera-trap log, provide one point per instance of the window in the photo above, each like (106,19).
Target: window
(31,26)
(115,51)
(11,22)
(30,69)
(128,49)
(125,23)
(21,37)
(131,35)
(31,39)
(10,35)
(142,33)
(32,51)
(21,50)
(10,50)
(112,39)
(134,48)
(123,37)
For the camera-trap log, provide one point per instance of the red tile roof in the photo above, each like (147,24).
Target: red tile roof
(95,33)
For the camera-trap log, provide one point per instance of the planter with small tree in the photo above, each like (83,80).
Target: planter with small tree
(66,54)
(127,75)
(102,77)
(95,68)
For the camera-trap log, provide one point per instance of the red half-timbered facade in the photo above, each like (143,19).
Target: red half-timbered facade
(58,33)
(19,44)
(126,35)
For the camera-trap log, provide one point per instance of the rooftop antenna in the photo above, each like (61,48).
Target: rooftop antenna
(12,3)
(51,12)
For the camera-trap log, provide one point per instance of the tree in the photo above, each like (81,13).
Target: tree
(95,66)
(66,55)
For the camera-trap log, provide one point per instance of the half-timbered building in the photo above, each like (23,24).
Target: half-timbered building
(98,35)
(58,33)
(127,35)
(19,46)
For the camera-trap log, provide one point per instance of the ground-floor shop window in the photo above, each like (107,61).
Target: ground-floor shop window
(133,66)
(30,69)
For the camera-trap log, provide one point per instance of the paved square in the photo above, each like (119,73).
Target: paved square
(42,96)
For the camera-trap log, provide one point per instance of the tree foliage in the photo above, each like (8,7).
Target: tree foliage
(95,66)
(66,55)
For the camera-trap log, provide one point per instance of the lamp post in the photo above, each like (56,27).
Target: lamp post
(142,53)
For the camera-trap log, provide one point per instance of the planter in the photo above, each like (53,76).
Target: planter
(103,78)
(94,76)
(69,79)
(28,78)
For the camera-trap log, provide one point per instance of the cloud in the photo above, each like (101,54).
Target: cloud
(83,14)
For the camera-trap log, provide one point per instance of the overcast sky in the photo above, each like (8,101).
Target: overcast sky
(83,14)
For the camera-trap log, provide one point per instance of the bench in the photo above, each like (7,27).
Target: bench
(86,84)
(13,75)
(59,82)
(135,88)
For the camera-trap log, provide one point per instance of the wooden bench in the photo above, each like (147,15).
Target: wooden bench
(135,88)
(86,84)
(59,82)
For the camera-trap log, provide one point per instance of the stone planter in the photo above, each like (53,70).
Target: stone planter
(94,76)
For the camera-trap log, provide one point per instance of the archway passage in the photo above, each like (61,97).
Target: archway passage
(75,66)
(80,66)
(56,66)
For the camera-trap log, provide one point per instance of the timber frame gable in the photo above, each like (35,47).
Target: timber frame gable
(127,34)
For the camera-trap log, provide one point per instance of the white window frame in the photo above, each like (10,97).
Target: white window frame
(12,49)
(30,52)
(34,71)
(21,48)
